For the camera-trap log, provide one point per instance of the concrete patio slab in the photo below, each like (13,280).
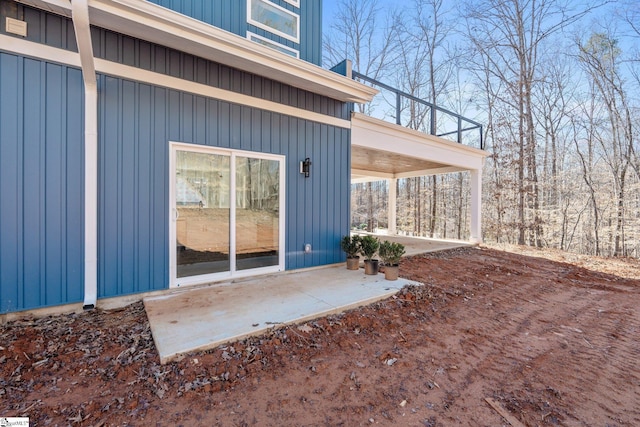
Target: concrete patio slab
(192,319)
(420,245)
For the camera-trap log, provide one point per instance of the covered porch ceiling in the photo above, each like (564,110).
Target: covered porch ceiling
(368,164)
(382,150)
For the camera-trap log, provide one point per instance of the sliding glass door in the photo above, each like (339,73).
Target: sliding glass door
(257,212)
(226,214)
(202,213)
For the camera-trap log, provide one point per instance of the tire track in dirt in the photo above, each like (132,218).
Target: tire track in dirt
(547,327)
(559,320)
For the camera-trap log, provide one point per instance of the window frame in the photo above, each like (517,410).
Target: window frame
(272,30)
(279,47)
(233,272)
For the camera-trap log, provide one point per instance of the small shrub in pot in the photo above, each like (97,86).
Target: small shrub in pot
(390,253)
(351,246)
(368,248)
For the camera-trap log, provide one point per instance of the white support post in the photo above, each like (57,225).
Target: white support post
(476,206)
(392,205)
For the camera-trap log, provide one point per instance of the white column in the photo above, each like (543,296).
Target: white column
(476,206)
(391,215)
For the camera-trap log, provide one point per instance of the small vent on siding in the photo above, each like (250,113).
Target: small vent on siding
(15,26)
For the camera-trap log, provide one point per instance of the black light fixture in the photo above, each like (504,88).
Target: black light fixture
(305,167)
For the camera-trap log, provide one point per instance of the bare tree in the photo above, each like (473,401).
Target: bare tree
(600,56)
(554,100)
(426,66)
(510,34)
(560,122)
(358,34)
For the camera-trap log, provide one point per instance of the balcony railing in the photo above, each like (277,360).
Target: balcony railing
(421,115)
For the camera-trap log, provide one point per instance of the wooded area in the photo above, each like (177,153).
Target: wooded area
(556,84)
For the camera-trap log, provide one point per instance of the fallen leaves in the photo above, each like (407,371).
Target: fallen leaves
(381,361)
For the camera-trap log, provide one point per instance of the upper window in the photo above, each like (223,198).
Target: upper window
(273,45)
(274,18)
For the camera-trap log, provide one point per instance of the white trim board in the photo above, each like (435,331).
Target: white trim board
(156,24)
(61,56)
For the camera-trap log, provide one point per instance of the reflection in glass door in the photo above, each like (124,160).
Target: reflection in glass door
(227,214)
(257,212)
(202,213)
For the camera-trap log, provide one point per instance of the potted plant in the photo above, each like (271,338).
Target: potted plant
(390,253)
(351,246)
(368,248)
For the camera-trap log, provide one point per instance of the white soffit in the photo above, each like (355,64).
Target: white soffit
(156,24)
(439,154)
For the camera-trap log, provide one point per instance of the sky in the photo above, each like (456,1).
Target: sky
(596,21)
(329,8)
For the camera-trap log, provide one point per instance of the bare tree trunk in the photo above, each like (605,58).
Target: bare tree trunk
(434,202)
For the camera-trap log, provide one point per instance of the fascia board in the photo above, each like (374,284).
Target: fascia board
(59,7)
(380,135)
(156,24)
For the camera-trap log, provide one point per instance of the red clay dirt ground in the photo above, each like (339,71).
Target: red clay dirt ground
(553,338)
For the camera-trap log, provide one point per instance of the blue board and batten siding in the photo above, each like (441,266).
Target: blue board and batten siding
(137,120)
(231,15)
(41,184)
(42,171)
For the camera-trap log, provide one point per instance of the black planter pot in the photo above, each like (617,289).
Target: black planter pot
(371,266)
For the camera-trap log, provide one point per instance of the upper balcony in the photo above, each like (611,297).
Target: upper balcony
(398,135)
(403,109)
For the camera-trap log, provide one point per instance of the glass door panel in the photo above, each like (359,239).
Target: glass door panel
(257,216)
(202,186)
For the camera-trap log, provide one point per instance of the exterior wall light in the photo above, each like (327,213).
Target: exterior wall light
(305,167)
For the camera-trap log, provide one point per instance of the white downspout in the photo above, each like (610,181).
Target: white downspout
(80,17)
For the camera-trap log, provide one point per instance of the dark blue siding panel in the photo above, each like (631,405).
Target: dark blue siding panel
(123,49)
(57,31)
(53,30)
(11,284)
(137,122)
(159,274)
(41,154)
(33,184)
(133,185)
(108,187)
(311,31)
(144,172)
(230,15)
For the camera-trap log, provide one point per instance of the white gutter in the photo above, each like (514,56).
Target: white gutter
(80,17)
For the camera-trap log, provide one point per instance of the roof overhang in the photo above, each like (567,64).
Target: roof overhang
(382,150)
(156,24)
